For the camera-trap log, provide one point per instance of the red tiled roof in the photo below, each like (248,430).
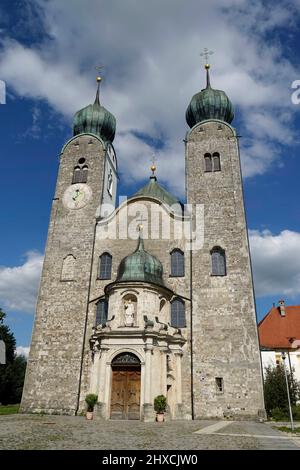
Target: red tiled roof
(276,331)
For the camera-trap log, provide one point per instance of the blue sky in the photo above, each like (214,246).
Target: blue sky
(48,53)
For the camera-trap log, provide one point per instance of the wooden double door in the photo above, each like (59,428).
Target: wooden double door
(126,393)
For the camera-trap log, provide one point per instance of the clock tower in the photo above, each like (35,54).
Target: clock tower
(86,189)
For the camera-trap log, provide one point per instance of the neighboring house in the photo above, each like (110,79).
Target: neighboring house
(279,331)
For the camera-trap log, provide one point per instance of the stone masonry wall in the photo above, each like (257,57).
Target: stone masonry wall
(54,365)
(224,321)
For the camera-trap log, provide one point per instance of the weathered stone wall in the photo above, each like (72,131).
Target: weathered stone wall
(225,340)
(54,365)
(161,248)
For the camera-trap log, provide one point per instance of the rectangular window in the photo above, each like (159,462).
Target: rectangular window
(219,385)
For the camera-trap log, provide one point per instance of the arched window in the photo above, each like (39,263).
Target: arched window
(178,313)
(76,175)
(208,162)
(110,182)
(177,263)
(105,262)
(101,312)
(80,173)
(218,262)
(84,174)
(216,161)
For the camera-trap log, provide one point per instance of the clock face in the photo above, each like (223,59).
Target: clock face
(77,196)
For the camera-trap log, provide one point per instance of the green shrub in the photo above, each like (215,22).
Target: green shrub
(91,400)
(160,404)
(279,414)
(275,390)
(296,412)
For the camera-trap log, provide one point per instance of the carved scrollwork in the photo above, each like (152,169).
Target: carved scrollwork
(126,358)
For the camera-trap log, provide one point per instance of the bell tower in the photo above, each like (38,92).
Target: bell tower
(227,378)
(87,178)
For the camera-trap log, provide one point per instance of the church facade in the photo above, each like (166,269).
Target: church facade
(151,297)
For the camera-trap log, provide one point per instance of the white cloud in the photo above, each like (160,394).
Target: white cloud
(276,262)
(19,284)
(151,54)
(23,351)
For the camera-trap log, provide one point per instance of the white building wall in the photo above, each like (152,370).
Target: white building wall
(271,358)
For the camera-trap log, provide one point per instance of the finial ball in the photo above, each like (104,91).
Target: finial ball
(98,79)
(207,66)
(153,168)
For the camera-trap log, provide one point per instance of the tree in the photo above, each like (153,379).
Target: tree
(13,372)
(8,337)
(275,389)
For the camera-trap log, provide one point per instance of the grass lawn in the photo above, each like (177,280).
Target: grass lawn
(288,429)
(9,409)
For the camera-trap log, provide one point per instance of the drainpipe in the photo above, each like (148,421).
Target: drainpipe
(85,323)
(191,332)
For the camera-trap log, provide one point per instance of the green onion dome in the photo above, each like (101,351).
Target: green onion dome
(141,266)
(209,104)
(95,119)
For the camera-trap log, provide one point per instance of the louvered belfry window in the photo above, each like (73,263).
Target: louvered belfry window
(208,162)
(178,313)
(80,173)
(177,263)
(216,161)
(105,262)
(218,262)
(212,162)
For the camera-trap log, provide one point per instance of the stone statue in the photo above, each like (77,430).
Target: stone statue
(129,313)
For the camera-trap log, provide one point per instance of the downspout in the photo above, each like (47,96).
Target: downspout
(85,323)
(191,323)
(191,290)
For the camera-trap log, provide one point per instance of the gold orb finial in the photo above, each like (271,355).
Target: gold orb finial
(98,79)
(153,168)
(207,66)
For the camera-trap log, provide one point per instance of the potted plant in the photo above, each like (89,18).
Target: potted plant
(160,405)
(91,400)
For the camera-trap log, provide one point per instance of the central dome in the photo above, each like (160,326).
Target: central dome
(140,266)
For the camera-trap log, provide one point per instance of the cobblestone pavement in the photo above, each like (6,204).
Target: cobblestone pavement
(70,432)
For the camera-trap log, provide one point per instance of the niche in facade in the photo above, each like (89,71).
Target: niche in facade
(129,309)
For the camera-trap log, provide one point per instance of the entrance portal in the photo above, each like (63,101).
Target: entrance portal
(126,387)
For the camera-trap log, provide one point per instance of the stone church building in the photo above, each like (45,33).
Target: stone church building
(150,297)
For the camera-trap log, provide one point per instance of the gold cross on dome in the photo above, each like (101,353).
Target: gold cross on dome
(206,53)
(99,68)
(141,220)
(153,160)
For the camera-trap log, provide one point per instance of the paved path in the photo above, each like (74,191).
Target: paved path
(70,432)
